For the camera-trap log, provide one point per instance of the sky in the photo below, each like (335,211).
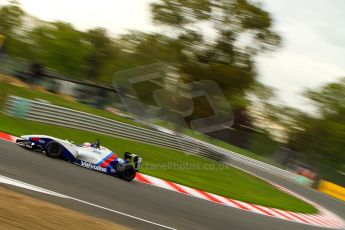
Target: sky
(313,49)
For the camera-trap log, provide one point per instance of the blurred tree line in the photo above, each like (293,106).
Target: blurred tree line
(319,134)
(225,52)
(202,39)
(209,39)
(322,136)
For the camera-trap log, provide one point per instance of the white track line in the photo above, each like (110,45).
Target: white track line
(13,182)
(9,181)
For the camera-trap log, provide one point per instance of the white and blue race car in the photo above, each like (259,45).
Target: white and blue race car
(88,155)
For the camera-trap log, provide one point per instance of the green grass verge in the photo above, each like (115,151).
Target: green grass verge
(7,89)
(174,166)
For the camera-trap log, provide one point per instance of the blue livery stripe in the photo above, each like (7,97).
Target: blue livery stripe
(104,159)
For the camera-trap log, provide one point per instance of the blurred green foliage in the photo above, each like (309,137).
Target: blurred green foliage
(323,136)
(94,55)
(11,18)
(224,51)
(61,47)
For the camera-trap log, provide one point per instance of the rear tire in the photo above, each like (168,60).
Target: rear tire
(127,172)
(54,150)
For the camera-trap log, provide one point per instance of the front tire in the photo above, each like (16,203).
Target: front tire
(54,150)
(127,173)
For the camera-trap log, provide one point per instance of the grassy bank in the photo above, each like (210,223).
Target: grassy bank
(7,88)
(175,166)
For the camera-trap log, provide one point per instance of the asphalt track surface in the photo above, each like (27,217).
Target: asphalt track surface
(151,203)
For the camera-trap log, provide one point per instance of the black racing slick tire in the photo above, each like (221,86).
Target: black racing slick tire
(54,150)
(127,172)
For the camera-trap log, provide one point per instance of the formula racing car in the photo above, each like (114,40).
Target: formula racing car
(88,155)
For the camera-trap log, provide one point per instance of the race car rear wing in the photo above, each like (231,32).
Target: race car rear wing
(130,157)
